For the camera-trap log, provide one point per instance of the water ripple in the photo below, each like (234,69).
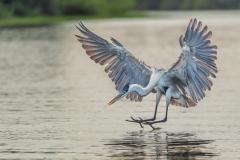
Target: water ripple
(141,145)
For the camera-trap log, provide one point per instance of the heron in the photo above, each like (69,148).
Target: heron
(183,84)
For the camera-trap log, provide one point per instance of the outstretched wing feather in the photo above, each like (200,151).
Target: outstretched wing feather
(122,67)
(196,63)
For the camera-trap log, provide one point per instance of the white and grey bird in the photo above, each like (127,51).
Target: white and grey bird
(184,84)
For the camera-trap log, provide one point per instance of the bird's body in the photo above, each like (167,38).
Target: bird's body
(184,84)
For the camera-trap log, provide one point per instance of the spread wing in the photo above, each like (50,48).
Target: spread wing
(122,67)
(196,64)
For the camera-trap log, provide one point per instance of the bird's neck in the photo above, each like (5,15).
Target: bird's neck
(143,91)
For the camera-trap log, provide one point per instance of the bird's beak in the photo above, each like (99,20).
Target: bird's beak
(118,97)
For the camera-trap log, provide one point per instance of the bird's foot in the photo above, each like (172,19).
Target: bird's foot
(137,121)
(151,125)
(140,121)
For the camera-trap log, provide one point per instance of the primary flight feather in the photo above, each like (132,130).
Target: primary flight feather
(184,84)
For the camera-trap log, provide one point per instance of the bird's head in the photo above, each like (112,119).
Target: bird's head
(126,89)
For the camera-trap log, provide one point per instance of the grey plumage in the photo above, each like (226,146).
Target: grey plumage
(190,73)
(184,84)
(122,67)
(197,62)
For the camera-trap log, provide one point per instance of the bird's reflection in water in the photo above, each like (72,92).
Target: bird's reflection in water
(159,145)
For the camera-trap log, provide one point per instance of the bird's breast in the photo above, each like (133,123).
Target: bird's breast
(163,84)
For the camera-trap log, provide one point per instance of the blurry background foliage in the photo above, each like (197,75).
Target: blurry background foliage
(187,4)
(28,12)
(11,8)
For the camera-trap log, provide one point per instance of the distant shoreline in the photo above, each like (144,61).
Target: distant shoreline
(49,20)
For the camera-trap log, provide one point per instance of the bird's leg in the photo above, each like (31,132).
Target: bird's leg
(158,97)
(168,98)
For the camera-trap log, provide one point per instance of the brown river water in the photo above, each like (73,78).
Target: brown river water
(53,97)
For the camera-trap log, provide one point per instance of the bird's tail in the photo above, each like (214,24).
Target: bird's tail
(184,101)
(189,102)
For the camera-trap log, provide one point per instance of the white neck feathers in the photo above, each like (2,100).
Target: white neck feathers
(143,91)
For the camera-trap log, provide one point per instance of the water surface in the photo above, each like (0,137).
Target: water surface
(53,97)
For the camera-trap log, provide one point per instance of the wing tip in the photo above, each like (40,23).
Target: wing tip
(181,40)
(190,24)
(78,36)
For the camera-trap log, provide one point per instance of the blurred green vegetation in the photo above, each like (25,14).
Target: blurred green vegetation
(187,4)
(21,8)
(36,12)
(42,12)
